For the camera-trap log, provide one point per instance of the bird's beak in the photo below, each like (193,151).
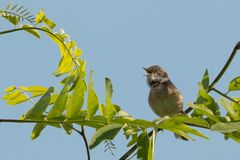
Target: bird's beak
(147,73)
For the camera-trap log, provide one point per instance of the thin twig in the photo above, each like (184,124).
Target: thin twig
(221,73)
(85,141)
(133,155)
(131,150)
(47,121)
(108,147)
(225,67)
(29,98)
(82,133)
(224,95)
(48,32)
(21,16)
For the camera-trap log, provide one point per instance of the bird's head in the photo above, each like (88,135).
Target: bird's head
(155,76)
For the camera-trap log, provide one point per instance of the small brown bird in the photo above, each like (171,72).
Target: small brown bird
(164,98)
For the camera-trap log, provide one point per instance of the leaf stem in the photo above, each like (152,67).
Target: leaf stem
(20,16)
(219,76)
(224,95)
(131,150)
(48,32)
(82,133)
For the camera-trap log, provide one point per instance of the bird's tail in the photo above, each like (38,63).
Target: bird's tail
(180,137)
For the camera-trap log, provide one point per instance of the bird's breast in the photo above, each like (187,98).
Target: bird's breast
(164,102)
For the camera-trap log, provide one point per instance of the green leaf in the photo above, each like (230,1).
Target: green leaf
(232,112)
(205,80)
(205,100)
(133,140)
(68,128)
(8,5)
(235,136)
(110,110)
(34,89)
(190,130)
(143,123)
(15,97)
(19,9)
(67,79)
(49,23)
(204,111)
(234,85)
(19,99)
(65,65)
(143,146)
(60,104)
(109,90)
(38,128)
(78,52)
(77,99)
(130,130)
(40,17)
(28,28)
(14,7)
(226,127)
(123,120)
(172,126)
(36,94)
(12,95)
(181,133)
(92,101)
(10,89)
(11,18)
(91,124)
(106,132)
(38,109)
(82,68)
(99,118)
(190,120)
(151,146)
(53,98)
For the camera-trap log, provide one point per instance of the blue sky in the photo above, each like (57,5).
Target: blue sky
(118,39)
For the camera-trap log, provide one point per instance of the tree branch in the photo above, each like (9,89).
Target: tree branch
(82,133)
(219,76)
(46,121)
(211,88)
(225,67)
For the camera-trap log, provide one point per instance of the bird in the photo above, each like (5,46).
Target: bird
(164,98)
